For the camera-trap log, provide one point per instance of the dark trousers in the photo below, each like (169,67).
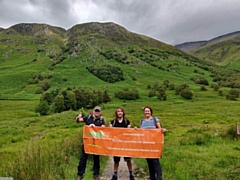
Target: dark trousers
(83,162)
(155,169)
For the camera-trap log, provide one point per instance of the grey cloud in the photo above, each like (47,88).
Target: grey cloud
(169,21)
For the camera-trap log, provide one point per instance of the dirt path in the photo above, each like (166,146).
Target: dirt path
(123,173)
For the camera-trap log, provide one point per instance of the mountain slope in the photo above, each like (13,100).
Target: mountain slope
(32,54)
(222,50)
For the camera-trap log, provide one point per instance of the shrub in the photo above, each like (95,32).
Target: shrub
(43,108)
(215,87)
(233,94)
(127,94)
(162,94)
(200,80)
(171,86)
(45,84)
(186,93)
(47,96)
(106,97)
(220,92)
(166,83)
(107,73)
(39,90)
(59,103)
(203,88)
(181,87)
(151,93)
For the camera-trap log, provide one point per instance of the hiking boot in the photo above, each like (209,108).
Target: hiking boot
(96,177)
(114,178)
(79,177)
(131,177)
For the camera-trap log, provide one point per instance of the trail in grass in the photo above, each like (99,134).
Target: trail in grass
(123,173)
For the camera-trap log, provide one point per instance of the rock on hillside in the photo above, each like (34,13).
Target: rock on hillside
(38,30)
(111,31)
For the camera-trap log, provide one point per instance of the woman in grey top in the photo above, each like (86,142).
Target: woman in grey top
(150,122)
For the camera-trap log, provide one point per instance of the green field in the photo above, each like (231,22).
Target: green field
(201,142)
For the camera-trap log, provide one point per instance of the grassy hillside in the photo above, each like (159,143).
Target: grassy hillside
(201,142)
(221,53)
(44,52)
(222,50)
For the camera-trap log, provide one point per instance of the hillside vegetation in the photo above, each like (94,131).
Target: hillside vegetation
(49,74)
(222,50)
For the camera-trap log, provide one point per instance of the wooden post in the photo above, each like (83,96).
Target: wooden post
(238,129)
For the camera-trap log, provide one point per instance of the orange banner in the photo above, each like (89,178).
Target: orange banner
(127,142)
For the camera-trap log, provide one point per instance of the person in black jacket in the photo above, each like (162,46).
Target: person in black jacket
(93,119)
(121,122)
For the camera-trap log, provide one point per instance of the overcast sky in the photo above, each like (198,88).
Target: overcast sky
(169,21)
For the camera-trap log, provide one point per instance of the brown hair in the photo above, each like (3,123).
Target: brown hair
(121,110)
(148,108)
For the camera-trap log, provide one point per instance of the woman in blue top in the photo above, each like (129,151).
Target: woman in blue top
(150,122)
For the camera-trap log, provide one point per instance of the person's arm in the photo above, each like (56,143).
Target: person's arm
(159,127)
(79,118)
(110,125)
(103,125)
(129,124)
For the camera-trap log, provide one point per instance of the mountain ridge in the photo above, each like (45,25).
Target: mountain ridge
(35,57)
(192,45)
(31,53)
(222,50)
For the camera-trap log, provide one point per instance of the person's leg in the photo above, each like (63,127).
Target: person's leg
(157,168)
(82,162)
(96,164)
(129,165)
(115,168)
(151,169)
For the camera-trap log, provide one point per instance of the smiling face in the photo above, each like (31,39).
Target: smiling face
(97,112)
(119,113)
(147,112)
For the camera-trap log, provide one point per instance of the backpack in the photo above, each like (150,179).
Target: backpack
(89,116)
(114,122)
(154,118)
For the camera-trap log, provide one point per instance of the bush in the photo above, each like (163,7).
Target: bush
(127,94)
(162,94)
(43,108)
(215,87)
(171,86)
(203,88)
(39,90)
(151,93)
(200,80)
(233,94)
(107,73)
(80,97)
(186,93)
(59,104)
(45,84)
(181,87)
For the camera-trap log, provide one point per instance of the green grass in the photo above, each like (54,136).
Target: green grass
(199,144)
